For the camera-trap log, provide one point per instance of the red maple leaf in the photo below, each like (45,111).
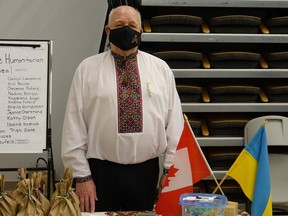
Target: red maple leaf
(171,173)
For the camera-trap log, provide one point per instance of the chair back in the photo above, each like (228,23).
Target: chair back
(277,136)
(276,128)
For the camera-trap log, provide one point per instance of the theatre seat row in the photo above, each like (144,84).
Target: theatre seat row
(233,93)
(225,59)
(236,23)
(219,125)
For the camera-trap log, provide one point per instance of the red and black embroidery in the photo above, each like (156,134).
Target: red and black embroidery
(129,94)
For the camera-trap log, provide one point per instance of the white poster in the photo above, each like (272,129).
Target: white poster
(23,96)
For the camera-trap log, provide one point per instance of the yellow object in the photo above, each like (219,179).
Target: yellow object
(231,209)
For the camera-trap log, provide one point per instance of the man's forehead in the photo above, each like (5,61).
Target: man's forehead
(124,13)
(124,19)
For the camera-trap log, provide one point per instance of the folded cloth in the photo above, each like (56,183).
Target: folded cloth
(234,24)
(176,23)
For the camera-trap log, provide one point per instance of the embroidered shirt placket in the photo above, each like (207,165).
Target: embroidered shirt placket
(129,94)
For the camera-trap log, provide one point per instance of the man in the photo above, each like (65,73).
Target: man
(123,111)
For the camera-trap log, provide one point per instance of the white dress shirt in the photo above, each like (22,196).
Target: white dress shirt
(90,127)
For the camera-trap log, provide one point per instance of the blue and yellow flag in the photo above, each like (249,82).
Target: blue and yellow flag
(251,171)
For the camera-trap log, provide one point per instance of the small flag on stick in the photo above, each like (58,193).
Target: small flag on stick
(251,171)
(189,167)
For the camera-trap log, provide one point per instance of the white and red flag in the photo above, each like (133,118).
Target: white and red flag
(189,166)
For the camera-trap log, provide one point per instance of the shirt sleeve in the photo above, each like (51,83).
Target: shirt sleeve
(175,122)
(74,133)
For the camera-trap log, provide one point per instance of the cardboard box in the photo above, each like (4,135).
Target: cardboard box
(231,209)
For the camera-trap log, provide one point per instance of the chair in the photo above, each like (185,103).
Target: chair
(277,140)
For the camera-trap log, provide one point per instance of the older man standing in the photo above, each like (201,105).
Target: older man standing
(123,111)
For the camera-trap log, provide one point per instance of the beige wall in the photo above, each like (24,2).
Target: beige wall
(75,27)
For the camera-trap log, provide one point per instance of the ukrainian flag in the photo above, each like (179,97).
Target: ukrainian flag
(251,171)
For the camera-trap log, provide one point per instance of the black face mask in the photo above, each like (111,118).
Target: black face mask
(125,38)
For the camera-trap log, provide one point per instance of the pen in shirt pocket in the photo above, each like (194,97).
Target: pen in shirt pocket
(149,89)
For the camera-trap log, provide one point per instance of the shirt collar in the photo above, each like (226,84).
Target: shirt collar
(118,57)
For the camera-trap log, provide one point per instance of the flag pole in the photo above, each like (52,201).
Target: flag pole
(218,186)
(198,146)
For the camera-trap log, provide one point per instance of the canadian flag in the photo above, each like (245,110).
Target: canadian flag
(189,166)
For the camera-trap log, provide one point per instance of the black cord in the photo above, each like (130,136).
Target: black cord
(40,158)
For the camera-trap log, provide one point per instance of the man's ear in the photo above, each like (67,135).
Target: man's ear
(107,30)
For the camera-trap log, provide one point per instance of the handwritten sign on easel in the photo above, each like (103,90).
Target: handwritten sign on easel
(24,82)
